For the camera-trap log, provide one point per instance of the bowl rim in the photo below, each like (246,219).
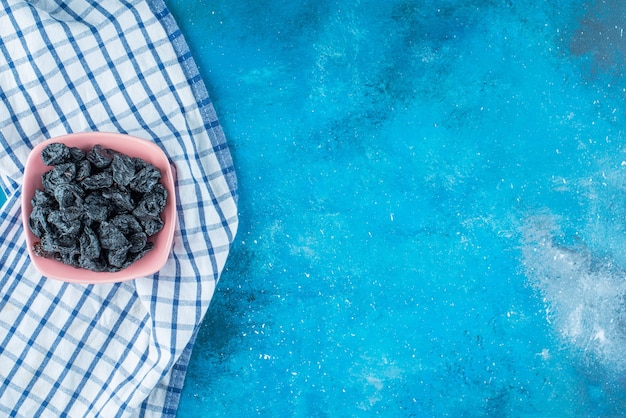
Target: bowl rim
(130,145)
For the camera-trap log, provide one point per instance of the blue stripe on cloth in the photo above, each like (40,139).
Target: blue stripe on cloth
(119,349)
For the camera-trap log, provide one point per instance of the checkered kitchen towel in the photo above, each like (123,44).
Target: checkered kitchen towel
(111,349)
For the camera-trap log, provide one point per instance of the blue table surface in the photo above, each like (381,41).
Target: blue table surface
(432,202)
(431,208)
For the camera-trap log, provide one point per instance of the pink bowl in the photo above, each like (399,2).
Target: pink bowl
(150,263)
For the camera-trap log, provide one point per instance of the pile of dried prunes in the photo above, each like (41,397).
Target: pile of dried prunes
(97,207)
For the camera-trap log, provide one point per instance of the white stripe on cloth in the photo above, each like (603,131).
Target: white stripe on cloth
(112,349)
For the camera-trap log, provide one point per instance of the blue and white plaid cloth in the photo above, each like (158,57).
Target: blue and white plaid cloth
(112,349)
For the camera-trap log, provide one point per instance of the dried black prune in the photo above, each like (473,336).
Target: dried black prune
(48,243)
(43,204)
(152,203)
(137,241)
(76,154)
(68,195)
(148,207)
(83,169)
(101,180)
(121,200)
(152,225)
(140,164)
(111,237)
(66,244)
(97,264)
(117,257)
(123,169)
(55,153)
(145,179)
(74,213)
(127,223)
(62,173)
(38,220)
(100,157)
(97,209)
(39,251)
(42,199)
(70,258)
(132,257)
(159,193)
(89,244)
(63,224)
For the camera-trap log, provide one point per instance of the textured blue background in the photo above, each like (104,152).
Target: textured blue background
(390,156)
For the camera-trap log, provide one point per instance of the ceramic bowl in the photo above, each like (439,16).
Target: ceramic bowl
(150,263)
